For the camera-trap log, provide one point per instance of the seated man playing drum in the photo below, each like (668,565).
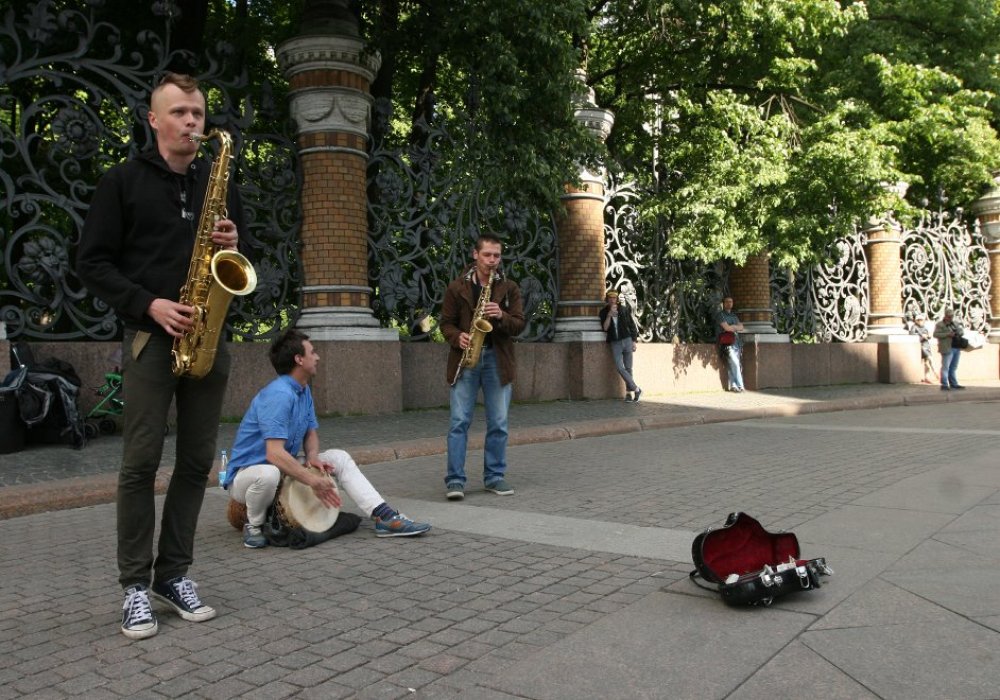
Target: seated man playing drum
(280,422)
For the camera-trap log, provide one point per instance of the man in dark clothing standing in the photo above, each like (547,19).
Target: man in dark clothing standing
(134,255)
(494,372)
(622,335)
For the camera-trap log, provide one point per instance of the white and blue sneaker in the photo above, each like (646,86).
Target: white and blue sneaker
(180,593)
(138,620)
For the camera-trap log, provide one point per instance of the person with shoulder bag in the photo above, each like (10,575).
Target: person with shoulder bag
(727,330)
(950,343)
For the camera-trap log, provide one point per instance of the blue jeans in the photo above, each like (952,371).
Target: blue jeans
(621,350)
(496,400)
(949,363)
(732,355)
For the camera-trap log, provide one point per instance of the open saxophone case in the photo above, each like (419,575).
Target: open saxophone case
(748,565)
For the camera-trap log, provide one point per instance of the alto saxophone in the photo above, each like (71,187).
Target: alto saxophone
(214,275)
(477,332)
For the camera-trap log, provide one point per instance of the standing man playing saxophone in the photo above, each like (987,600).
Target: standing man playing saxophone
(494,372)
(134,255)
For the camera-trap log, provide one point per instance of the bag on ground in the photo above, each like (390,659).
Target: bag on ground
(748,565)
(47,399)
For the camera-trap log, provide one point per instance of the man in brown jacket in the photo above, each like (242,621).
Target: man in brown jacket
(494,372)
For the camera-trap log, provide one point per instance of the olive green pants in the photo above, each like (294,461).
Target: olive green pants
(149,388)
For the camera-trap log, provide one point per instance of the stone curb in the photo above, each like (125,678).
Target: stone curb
(77,492)
(65,494)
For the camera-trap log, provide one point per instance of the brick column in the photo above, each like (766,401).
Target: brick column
(885,282)
(987,210)
(885,274)
(750,285)
(899,350)
(580,229)
(766,362)
(329,74)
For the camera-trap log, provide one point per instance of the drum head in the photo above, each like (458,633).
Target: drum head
(303,509)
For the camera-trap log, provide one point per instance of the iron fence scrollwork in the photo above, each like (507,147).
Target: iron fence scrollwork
(674,300)
(73,103)
(946,264)
(426,207)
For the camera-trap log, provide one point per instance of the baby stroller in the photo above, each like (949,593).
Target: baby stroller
(101,418)
(104,417)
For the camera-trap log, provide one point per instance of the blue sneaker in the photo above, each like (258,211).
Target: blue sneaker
(455,491)
(253,538)
(399,526)
(180,594)
(500,488)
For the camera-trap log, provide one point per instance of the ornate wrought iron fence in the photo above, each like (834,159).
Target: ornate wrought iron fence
(425,209)
(828,302)
(946,264)
(673,299)
(72,104)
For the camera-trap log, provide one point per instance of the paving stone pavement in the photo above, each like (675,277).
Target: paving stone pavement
(574,587)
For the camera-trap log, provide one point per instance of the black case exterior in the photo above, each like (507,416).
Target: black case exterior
(742,547)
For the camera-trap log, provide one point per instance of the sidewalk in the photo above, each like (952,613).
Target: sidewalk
(44,478)
(574,587)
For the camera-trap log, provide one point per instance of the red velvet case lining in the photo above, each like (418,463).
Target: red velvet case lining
(745,547)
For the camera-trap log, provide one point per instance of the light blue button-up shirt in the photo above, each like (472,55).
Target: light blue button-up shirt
(282,410)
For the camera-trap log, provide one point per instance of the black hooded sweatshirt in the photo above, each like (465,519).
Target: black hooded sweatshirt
(139,234)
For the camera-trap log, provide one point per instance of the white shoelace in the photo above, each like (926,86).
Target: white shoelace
(185,588)
(137,604)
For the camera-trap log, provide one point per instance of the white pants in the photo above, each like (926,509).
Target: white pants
(256,485)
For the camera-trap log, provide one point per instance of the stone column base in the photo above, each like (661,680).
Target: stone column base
(585,329)
(896,354)
(767,360)
(343,323)
(751,336)
(764,328)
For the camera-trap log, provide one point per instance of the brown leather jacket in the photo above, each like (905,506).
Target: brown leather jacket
(456,318)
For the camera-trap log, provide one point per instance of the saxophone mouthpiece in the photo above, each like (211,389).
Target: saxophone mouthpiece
(195,137)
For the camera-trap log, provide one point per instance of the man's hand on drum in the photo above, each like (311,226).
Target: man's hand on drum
(321,465)
(322,486)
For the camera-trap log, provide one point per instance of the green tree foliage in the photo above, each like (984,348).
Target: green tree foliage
(500,72)
(778,124)
(927,75)
(759,124)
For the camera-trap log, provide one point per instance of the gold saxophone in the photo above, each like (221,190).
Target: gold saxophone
(477,332)
(214,276)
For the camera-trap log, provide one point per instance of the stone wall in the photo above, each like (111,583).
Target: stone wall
(387,377)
